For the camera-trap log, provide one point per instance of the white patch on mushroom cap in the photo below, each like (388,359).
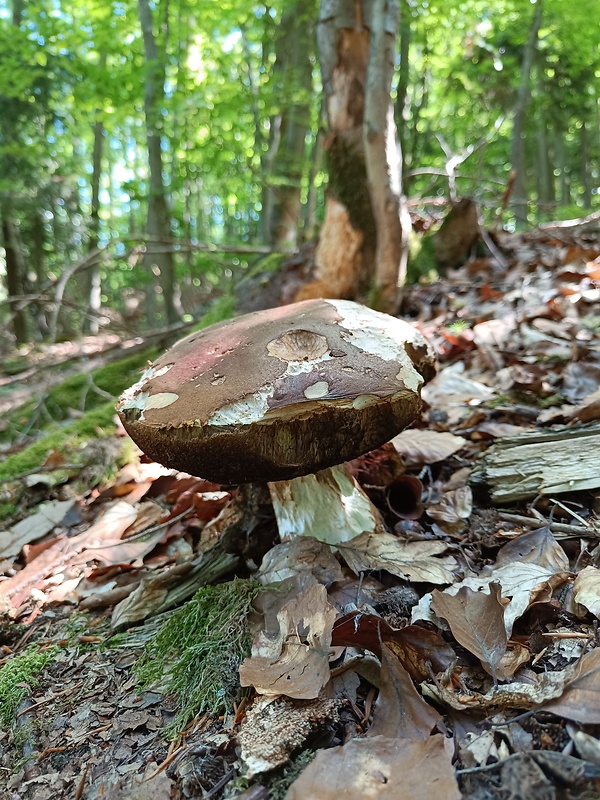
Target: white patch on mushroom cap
(129,399)
(379,335)
(161,400)
(317,390)
(245,411)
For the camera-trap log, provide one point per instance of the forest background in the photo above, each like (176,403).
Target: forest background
(153,155)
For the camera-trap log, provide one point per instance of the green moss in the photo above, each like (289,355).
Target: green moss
(196,654)
(80,393)
(66,439)
(18,677)
(280,781)
(7,511)
(422,265)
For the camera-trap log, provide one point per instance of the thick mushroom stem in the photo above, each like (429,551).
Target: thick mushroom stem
(328,505)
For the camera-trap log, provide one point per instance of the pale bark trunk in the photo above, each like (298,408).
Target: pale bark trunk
(383,157)
(159,265)
(586,168)
(346,250)
(93,285)
(517,156)
(14,274)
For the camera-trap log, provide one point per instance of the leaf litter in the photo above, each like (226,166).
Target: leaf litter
(444,644)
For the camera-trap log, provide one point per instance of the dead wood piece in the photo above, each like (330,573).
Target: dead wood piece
(458,233)
(561,460)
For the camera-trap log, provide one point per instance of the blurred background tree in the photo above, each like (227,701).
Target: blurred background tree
(155,152)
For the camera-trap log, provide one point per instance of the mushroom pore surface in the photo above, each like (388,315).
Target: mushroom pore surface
(280,393)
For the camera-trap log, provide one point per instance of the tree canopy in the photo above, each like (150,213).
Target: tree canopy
(231,94)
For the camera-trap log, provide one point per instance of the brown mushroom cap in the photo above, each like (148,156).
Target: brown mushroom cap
(279,393)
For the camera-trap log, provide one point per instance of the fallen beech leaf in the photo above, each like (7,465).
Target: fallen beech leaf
(522,583)
(537,547)
(454,508)
(580,700)
(418,649)
(420,447)
(589,408)
(476,620)
(379,768)
(513,659)
(304,554)
(586,590)
(400,711)
(47,517)
(545,688)
(413,561)
(296,663)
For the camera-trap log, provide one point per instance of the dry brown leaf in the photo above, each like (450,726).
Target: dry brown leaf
(537,547)
(47,517)
(476,621)
(400,711)
(419,447)
(296,663)
(589,408)
(524,584)
(544,689)
(413,561)
(379,768)
(586,590)
(418,649)
(580,700)
(453,510)
(304,554)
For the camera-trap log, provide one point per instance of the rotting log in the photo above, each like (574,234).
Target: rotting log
(565,459)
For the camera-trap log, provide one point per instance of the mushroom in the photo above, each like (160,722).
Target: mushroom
(276,395)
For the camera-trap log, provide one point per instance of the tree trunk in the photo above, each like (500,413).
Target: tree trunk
(14,275)
(93,289)
(400,110)
(383,157)
(362,222)
(586,169)
(160,264)
(545,174)
(346,250)
(517,155)
(285,160)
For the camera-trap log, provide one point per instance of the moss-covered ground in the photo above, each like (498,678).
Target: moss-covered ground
(196,654)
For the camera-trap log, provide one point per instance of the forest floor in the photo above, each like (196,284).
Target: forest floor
(456,655)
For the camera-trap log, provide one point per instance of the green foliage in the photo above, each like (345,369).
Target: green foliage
(18,677)
(196,654)
(67,440)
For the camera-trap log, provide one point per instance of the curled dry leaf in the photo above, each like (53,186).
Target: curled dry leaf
(420,447)
(580,700)
(47,517)
(296,662)
(304,554)
(413,561)
(586,590)
(523,583)
(379,768)
(454,509)
(400,711)
(476,620)
(545,688)
(418,649)
(537,547)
